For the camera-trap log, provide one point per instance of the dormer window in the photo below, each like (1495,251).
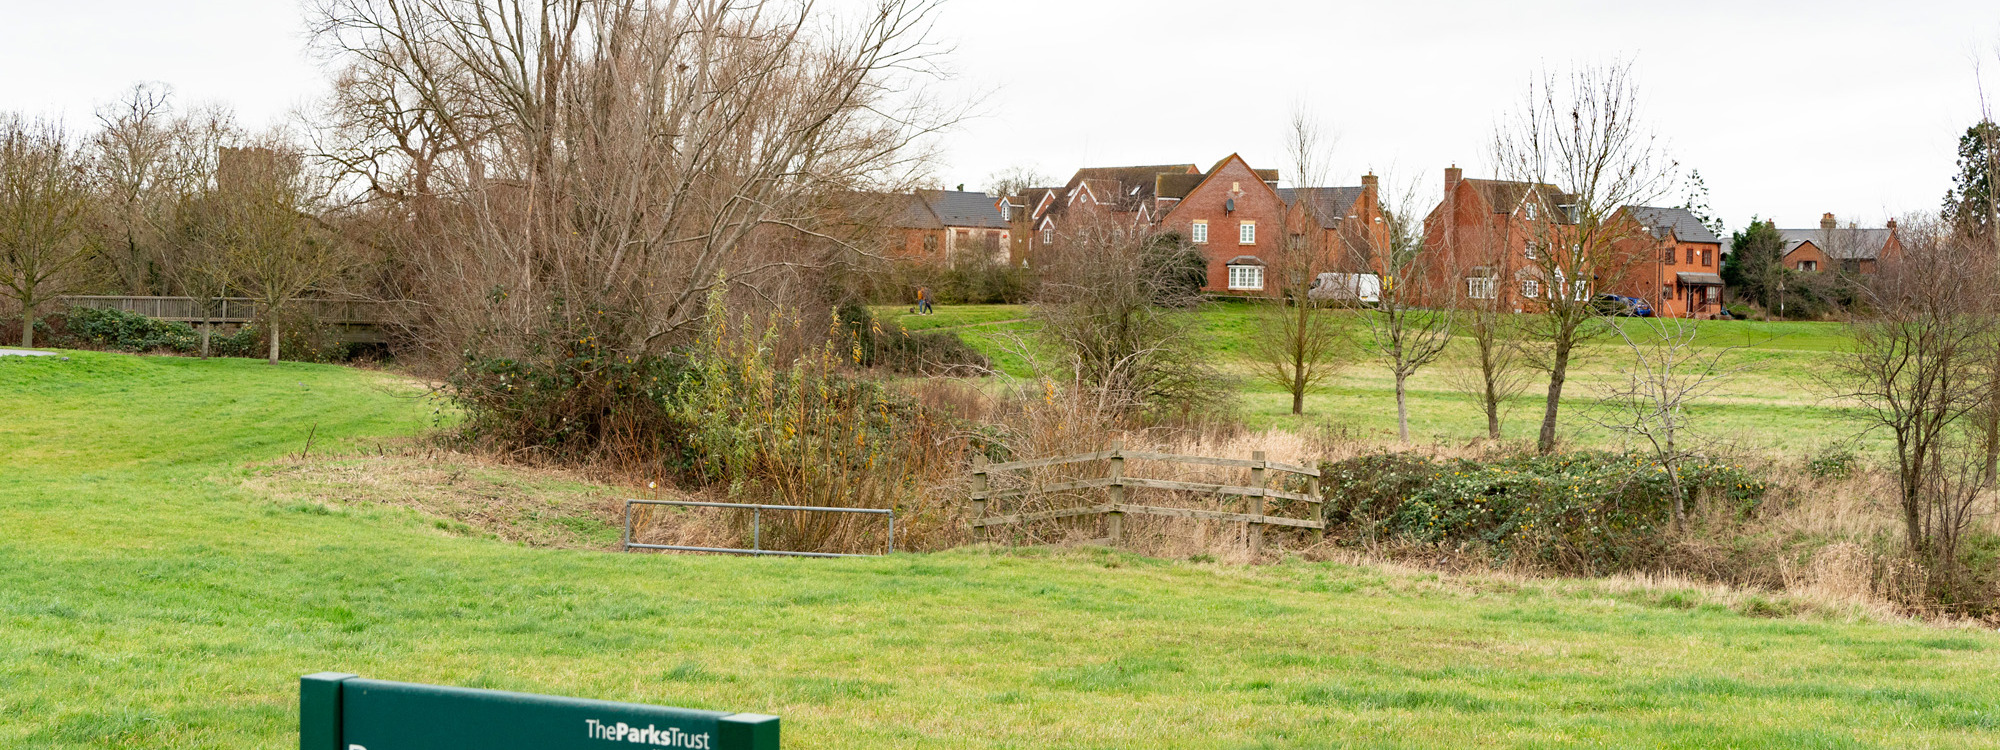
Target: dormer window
(1048,235)
(1531,213)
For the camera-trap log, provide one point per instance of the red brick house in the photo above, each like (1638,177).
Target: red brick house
(1832,247)
(1668,258)
(1094,195)
(949,227)
(1483,237)
(1234,214)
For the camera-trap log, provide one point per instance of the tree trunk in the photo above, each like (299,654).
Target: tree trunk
(1546,444)
(1492,413)
(1402,411)
(274,340)
(207,331)
(1299,401)
(27,328)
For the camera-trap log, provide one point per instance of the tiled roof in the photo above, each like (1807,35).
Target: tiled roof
(1685,224)
(1505,196)
(1840,243)
(1329,204)
(960,208)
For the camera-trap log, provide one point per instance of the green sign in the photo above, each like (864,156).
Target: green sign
(344,712)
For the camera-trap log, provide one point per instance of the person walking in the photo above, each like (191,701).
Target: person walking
(923,300)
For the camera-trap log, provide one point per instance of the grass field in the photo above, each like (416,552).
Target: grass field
(151,596)
(1772,404)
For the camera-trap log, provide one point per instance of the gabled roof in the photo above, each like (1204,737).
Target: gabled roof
(1328,204)
(1175,186)
(1686,226)
(1839,243)
(960,208)
(1124,189)
(1506,195)
(912,212)
(1267,176)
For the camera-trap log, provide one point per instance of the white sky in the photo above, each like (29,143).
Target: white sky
(1788,109)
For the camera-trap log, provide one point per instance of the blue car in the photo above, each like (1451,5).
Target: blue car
(1619,305)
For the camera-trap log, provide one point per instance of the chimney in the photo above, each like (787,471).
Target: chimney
(1827,223)
(1451,177)
(1892,225)
(1368,182)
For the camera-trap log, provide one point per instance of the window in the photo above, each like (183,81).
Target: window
(1246,277)
(1670,255)
(1808,265)
(1704,257)
(1531,212)
(1480,287)
(1531,288)
(1199,232)
(1048,235)
(1690,256)
(1580,291)
(1529,250)
(1006,211)
(930,243)
(1713,293)
(1666,291)
(1246,234)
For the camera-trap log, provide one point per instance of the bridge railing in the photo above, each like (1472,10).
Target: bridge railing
(229,310)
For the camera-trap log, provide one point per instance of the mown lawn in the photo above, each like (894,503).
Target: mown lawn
(1774,401)
(149,598)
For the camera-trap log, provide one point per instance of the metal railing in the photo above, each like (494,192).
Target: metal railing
(756,528)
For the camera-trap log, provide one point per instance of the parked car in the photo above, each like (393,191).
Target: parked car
(1624,307)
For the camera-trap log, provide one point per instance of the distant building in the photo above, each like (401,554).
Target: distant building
(1832,247)
(1670,259)
(950,227)
(1484,236)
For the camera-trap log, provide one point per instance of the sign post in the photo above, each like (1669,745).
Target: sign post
(345,712)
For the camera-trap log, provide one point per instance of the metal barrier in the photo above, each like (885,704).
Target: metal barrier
(756,528)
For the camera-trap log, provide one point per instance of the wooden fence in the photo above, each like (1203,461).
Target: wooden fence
(1116,482)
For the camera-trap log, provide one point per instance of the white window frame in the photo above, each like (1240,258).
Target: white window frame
(1198,232)
(1246,277)
(1246,234)
(1531,288)
(1531,211)
(1048,235)
(1481,287)
(1528,250)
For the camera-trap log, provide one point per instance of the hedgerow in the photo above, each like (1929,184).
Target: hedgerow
(1587,512)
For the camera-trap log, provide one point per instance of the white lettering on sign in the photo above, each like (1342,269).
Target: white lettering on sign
(646,735)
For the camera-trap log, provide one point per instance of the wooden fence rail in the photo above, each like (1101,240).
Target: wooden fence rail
(238,309)
(1254,518)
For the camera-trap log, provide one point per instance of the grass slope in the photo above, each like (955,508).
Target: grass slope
(1772,403)
(150,597)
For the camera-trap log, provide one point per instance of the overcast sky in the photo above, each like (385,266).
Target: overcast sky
(1788,109)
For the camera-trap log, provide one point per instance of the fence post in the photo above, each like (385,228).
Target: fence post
(628,526)
(978,496)
(1319,508)
(1114,524)
(1256,503)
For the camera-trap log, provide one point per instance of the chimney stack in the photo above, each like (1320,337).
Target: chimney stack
(1892,225)
(1368,182)
(1827,223)
(1452,174)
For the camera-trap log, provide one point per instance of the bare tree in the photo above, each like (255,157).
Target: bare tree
(45,204)
(1668,368)
(1414,322)
(581,169)
(1583,134)
(197,244)
(260,224)
(1015,180)
(1114,314)
(1916,370)
(1301,340)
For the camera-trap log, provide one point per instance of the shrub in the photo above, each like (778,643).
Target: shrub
(1589,512)
(909,352)
(120,330)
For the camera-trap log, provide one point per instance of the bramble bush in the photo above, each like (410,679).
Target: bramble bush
(1586,512)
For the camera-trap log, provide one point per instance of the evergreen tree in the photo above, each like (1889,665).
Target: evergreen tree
(1967,205)
(1754,263)
(1697,204)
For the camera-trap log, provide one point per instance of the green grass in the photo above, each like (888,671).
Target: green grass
(151,597)
(1772,403)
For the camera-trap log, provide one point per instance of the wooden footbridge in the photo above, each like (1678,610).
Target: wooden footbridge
(352,321)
